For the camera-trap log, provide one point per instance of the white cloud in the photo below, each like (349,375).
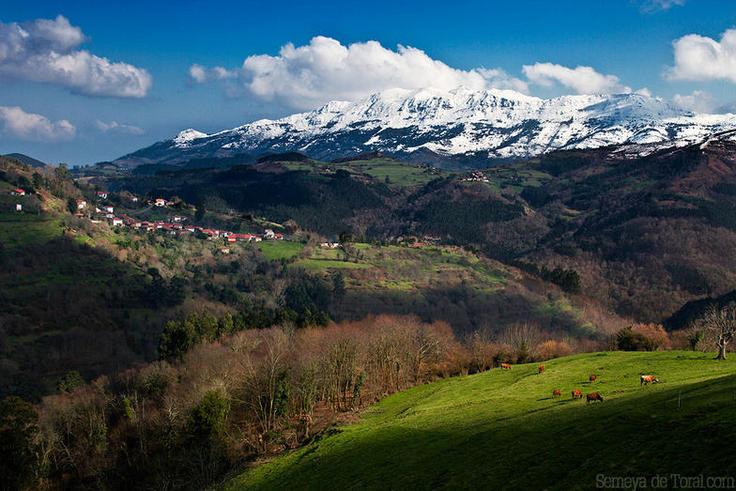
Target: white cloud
(307,76)
(29,126)
(45,50)
(499,79)
(581,79)
(115,127)
(698,102)
(703,58)
(200,74)
(653,5)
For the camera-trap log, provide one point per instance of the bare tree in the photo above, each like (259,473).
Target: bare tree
(721,323)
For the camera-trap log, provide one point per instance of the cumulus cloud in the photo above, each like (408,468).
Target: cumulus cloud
(499,79)
(29,126)
(308,76)
(703,58)
(46,50)
(115,127)
(697,101)
(581,79)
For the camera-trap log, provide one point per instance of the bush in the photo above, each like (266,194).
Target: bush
(642,337)
(553,349)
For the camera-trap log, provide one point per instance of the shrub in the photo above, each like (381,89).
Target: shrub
(553,349)
(642,337)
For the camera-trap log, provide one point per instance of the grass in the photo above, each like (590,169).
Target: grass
(385,170)
(280,249)
(19,229)
(503,430)
(322,264)
(402,268)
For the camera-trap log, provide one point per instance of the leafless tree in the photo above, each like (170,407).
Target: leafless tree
(721,323)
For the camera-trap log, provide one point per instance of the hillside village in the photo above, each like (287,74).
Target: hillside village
(176,225)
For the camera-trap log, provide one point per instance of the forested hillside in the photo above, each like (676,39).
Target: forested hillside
(82,295)
(644,234)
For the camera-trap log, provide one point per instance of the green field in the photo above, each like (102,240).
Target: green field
(17,229)
(385,170)
(275,250)
(503,430)
(404,268)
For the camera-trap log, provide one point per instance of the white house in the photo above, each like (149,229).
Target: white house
(108,209)
(81,204)
(160,202)
(18,207)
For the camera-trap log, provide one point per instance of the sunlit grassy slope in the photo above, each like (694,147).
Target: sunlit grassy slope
(503,430)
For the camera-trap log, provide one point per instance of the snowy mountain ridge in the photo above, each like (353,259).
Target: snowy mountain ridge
(487,124)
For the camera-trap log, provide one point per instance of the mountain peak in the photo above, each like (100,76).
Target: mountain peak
(460,123)
(188,135)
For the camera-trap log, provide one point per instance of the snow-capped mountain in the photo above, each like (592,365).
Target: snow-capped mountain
(454,124)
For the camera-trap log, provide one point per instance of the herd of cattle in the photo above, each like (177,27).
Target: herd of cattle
(592,396)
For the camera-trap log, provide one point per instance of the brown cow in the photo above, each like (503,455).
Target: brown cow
(557,393)
(505,366)
(592,378)
(593,396)
(648,379)
(577,394)
(540,369)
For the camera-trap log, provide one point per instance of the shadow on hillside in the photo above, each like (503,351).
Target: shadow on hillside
(466,309)
(67,306)
(646,434)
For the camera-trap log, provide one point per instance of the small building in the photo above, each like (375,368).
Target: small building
(117,222)
(102,194)
(18,192)
(329,245)
(134,199)
(18,207)
(81,204)
(160,202)
(108,209)
(268,234)
(177,218)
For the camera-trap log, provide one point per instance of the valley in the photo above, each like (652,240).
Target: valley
(367,245)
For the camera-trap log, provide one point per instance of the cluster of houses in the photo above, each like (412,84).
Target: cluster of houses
(476,176)
(176,225)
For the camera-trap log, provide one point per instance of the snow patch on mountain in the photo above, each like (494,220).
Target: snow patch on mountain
(484,123)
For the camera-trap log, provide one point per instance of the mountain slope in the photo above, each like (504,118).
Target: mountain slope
(480,430)
(459,124)
(25,159)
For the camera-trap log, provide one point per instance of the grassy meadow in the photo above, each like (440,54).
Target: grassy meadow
(504,430)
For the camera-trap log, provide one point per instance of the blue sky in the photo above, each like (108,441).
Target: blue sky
(151,94)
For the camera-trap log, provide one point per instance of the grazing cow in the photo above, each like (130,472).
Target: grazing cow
(648,379)
(577,394)
(557,393)
(540,369)
(593,378)
(505,366)
(593,396)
